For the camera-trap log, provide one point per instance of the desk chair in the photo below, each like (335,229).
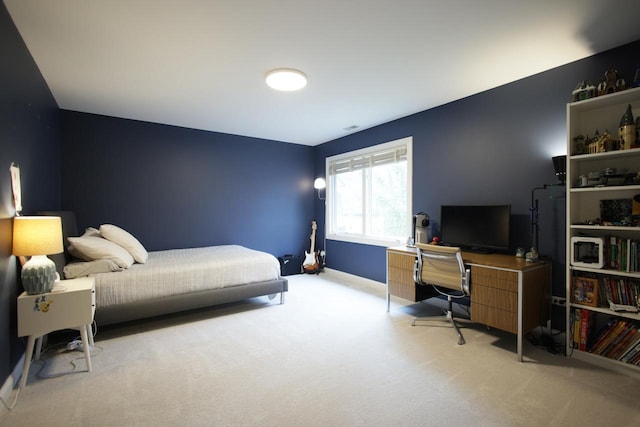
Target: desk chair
(442,267)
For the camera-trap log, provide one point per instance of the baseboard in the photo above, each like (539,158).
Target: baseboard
(9,385)
(352,277)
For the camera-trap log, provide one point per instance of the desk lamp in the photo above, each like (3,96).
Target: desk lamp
(37,237)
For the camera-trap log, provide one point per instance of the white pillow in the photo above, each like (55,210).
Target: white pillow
(126,240)
(85,268)
(98,248)
(91,231)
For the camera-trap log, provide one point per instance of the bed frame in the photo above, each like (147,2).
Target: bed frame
(172,304)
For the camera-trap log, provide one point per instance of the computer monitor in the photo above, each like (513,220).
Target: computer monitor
(477,228)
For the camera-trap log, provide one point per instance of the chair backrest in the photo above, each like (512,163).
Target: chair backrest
(441,266)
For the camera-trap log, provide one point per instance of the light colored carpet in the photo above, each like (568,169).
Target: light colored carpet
(330,356)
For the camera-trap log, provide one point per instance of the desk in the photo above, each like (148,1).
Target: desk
(507,293)
(71,304)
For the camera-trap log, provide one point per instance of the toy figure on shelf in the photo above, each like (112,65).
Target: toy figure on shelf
(627,130)
(611,82)
(584,90)
(601,143)
(579,144)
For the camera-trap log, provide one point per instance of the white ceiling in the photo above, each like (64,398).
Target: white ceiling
(201,64)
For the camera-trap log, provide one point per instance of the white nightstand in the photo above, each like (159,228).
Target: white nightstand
(71,304)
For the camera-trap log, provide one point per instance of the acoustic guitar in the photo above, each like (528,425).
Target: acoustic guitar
(311,263)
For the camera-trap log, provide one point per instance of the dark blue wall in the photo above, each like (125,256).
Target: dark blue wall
(491,148)
(174,187)
(29,134)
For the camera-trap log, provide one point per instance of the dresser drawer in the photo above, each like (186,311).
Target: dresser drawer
(495,278)
(400,278)
(494,297)
(494,317)
(401,261)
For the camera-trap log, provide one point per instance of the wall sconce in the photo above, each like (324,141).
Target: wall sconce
(37,237)
(320,184)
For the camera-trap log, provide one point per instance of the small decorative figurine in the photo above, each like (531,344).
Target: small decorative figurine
(636,78)
(579,145)
(601,143)
(584,90)
(627,130)
(609,84)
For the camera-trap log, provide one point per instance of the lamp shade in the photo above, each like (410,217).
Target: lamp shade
(37,235)
(560,166)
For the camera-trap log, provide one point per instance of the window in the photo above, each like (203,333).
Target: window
(369,194)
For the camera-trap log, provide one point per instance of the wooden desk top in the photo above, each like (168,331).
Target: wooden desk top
(508,262)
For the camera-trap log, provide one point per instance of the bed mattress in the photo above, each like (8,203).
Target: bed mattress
(185,271)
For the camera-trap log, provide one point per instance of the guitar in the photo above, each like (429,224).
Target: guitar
(311,264)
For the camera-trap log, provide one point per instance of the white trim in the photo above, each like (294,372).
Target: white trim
(364,240)
(353,160)
(9,385)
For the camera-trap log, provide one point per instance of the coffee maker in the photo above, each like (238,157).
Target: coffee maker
(421,228)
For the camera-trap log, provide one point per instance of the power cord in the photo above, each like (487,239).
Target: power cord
(76,344)
(72,362)
(545,340)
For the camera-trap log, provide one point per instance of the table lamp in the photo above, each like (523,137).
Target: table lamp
(37,237)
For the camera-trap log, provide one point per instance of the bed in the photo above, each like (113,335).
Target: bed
(163,282)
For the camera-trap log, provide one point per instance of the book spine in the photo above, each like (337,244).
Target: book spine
(604,336)
(631,353)
(619,341)
(576,327)
(614,332)
(584,330)
(626,343)
(613,258)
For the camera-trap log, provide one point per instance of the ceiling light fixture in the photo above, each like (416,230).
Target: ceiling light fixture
(286,79)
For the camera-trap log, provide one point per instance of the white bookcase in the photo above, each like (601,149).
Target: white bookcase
(583,206)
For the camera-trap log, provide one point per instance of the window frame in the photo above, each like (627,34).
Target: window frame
(407,143)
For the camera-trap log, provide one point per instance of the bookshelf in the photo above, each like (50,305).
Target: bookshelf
(601,187)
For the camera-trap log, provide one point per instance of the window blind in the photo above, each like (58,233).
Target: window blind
(377,158)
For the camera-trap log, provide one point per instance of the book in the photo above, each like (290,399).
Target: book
(631,353)
(585,291)
(625,343)
(605,335)
(611,334)
(577,313)
(613,252)
(586,321)
(619,341)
